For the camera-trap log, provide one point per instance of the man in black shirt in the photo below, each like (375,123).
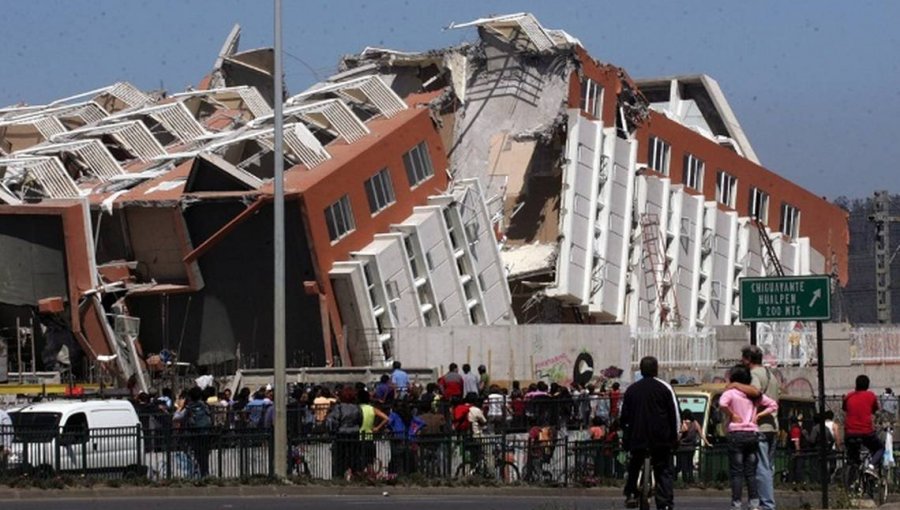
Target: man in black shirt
(650,424)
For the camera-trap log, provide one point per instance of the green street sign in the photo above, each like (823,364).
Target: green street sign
(787,298)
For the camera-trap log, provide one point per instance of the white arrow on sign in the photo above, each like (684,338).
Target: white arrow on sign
(816,295)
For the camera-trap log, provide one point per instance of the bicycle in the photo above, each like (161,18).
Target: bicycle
(646,484)
(536,472)
(477,465)
(861,483)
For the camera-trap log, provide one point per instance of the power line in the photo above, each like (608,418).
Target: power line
(304,64)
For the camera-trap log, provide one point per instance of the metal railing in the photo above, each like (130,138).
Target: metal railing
(874,345)
(676,348)
(135,452)
(560,458)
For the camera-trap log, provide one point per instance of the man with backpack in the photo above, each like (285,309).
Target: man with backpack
(196,421)
(256,410)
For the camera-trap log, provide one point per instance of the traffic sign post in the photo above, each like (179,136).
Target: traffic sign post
(793,298)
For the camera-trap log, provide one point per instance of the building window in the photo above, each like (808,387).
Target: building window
(591,98)
(790,221)
(726,188)
(380,191)
(418,164)
(475,315)
(411,256)
(658,155)
(339,218)
(693,172)
(454,236)
(470,290)
(370,284)
(759,205)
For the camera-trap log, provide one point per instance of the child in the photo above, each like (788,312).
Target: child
(743,443)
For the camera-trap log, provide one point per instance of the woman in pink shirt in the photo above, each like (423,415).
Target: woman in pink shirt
(742,414)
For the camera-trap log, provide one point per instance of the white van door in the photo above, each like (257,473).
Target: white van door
(115,439)
(73,439)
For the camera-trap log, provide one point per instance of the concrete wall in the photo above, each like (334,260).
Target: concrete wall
(525,352)
(549,352)
(839,373)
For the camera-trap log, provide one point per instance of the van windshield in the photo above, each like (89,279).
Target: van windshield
(696,404)
(35,427)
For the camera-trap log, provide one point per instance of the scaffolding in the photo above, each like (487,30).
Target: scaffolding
(656,264)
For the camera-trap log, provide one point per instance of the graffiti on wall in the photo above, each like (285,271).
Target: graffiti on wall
(561,369)
(555,369)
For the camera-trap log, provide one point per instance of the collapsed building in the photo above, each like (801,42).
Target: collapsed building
(136,229)
(512,179)
(639,202)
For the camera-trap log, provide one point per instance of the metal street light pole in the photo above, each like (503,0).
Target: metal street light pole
(280,439)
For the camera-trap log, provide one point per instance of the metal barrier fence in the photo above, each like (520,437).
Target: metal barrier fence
(133,452)
(568,459)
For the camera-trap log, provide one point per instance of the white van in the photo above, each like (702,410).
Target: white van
(78,436)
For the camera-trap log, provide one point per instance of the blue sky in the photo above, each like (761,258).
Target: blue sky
(815,84)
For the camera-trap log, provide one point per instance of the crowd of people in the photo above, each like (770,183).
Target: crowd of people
(645,420)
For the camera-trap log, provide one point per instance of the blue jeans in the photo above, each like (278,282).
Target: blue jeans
(765,471)
(872,443)
(743,451)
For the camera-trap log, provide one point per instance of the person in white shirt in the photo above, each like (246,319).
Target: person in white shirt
(470,381)
(477,419)
(498,408)
(6,437)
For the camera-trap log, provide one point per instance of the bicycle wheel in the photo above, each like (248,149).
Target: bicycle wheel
(646,485)
(880,488)
(507,472)
(850,479)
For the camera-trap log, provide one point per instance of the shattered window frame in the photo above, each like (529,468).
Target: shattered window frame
(790,220)
(759,205)
(659,155)
(339,219)
(591,98)
(417,163)
(694,168)
(726,188)
(380,191)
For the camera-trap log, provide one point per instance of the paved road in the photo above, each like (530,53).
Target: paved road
(375,501)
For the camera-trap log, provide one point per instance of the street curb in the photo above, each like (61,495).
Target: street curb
(337,490)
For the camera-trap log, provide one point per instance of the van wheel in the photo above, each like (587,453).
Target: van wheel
(133,471)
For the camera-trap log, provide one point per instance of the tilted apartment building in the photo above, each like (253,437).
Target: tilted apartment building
(614,200)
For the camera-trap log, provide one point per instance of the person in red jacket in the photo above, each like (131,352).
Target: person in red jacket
(860,407)
(452,383)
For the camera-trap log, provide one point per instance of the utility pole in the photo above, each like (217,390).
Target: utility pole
(883,256)
(278,369)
